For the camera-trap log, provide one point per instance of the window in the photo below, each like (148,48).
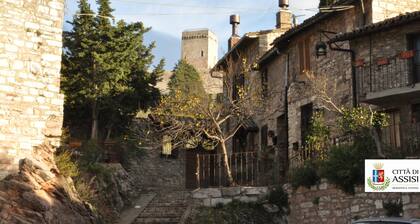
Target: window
(166,145)
(264,137)
(264,83)
(391,135)
(305,54)
(415,113)
(202,53)
(306,113)
(240,141)
(282,131)
(415,45)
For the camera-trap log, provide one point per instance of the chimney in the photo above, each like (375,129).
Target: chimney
(284,16)
(234,39)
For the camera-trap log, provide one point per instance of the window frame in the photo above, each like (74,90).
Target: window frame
(304,52)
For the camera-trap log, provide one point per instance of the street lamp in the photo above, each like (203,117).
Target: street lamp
(321,48)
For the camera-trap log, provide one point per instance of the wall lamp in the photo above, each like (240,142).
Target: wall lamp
(321,46)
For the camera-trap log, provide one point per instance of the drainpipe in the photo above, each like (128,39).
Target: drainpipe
(353,71)
(286,103)
(286,108)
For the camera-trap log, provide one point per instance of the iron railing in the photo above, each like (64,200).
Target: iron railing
(388,74)
(247,169)
(316,152)
(399,141)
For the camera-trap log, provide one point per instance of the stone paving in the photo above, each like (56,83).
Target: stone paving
(167,207)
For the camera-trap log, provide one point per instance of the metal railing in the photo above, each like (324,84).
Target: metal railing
(247,168)
(388,74)
(316,152)
(211,171)
(399,141)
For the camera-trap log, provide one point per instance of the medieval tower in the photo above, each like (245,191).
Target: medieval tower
(199,48)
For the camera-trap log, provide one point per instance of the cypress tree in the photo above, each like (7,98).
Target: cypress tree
(186,79)
(106,70)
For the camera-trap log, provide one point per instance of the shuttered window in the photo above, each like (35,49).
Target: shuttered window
(305,54)
(264,137)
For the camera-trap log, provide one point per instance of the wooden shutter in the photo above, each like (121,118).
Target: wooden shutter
(307,54)
(301,56)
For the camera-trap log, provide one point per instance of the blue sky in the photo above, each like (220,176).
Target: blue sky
(168,18)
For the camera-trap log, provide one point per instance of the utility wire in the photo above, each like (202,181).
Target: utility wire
(192,6)
(184,14)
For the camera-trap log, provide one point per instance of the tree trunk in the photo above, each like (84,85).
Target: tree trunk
(378,143)
(231,182)
(108,133)
(94,130)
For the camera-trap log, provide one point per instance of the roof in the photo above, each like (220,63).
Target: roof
(244,40)
(267,56)
(195,30)
(297,29)
(376,27)
(307,23)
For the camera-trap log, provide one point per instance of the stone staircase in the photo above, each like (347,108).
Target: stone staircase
(167,207)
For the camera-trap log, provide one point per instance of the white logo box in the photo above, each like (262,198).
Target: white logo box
(392,175)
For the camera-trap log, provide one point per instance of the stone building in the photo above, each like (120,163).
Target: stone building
(294,56)
(251,46)
(371,59)
(387,68)
(31,105)
(200,49)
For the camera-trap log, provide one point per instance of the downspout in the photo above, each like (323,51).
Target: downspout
(286,108)
(286,103)
(353,71)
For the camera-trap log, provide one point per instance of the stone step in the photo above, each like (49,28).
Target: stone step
(168,204)
(165,209)
(163,220)
(156,215)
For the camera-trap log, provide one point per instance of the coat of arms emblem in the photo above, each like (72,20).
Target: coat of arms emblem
(378,181)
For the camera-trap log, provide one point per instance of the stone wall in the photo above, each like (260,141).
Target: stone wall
(325,202)
(335,65)
(385,9)
(159,172)
(388,44)
(31,106)
(211,197)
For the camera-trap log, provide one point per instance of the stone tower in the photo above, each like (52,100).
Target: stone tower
(199,48)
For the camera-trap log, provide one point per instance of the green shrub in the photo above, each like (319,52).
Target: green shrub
(345,164)
(305,176)
(65,164)
(85,191)
(393,208)
(279,197)
(315,200)
(91,153)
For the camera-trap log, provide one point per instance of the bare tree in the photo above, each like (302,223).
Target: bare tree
(191,119)
(325,89)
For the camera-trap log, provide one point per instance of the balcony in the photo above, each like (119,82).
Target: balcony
(387,80)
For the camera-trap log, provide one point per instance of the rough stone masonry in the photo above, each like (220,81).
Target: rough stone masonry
(31,106)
